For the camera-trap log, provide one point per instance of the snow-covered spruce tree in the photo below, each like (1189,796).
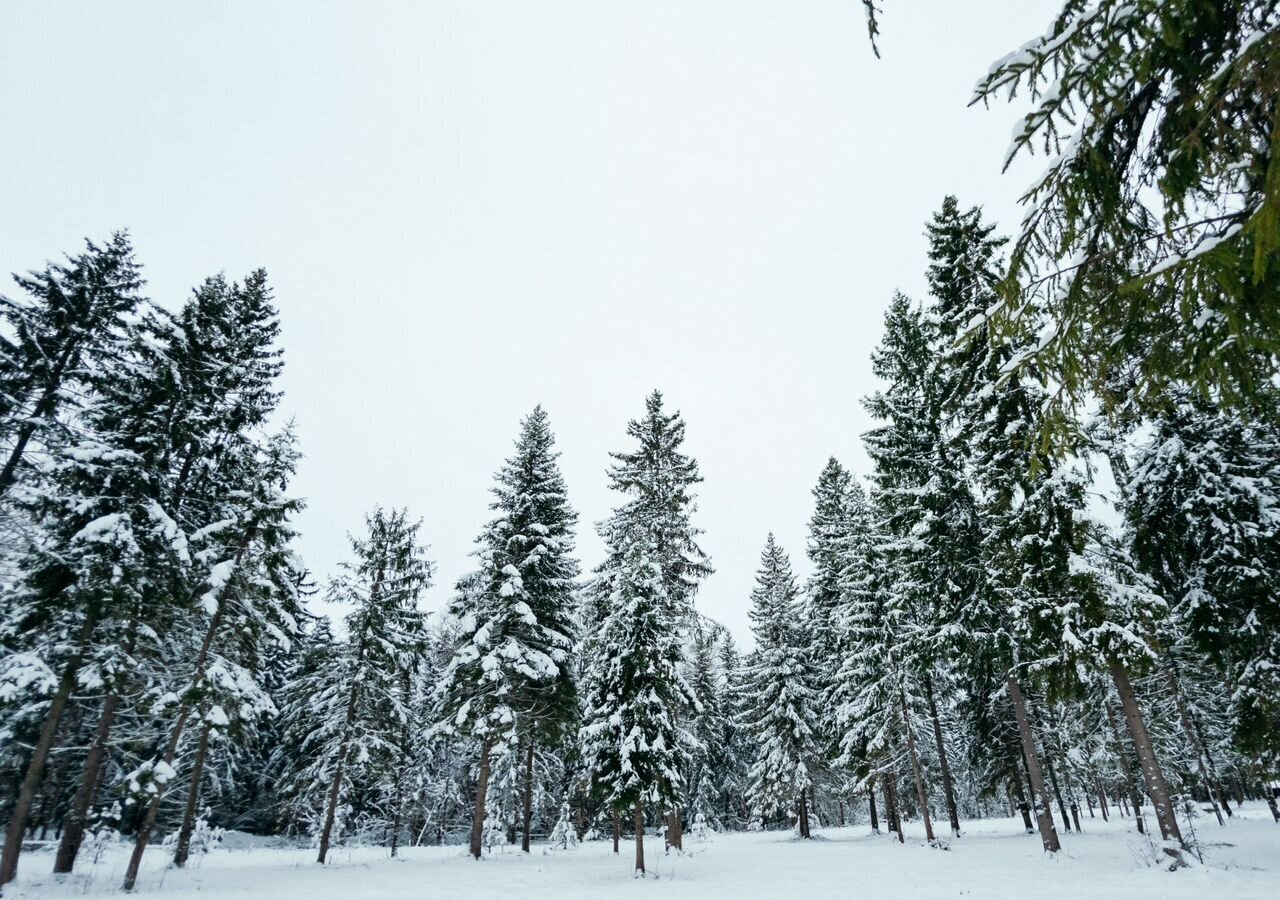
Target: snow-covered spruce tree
(830,529)
(359,699)
(1203,507)
(511,682)
(74,317)
(101,561)
(706,722)
(657,478)
(226,480)
(632,743)
(780,683)
(991,420)
(915,494)
(232,701)
(732,773)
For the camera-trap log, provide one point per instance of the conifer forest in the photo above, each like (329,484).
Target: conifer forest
(1028,641)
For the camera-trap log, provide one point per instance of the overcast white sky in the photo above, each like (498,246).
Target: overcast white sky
(469,207)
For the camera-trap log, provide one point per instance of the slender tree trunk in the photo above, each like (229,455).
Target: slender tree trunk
(922,796)
(871,802)
(1102,799)
(639,824)
(77,817)
(1057,791)
(1193,737)
(804,816)
(528,796)
(891,811)
(1044,814)
(183,849)
(331,802)
(482,796)
(948,786)
(617,830)
(1151,773)
(840,807)
(1023,806)
(40,753)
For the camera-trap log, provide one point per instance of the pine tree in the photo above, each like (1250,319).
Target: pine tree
(632,742)
(651,531)
(510,681)
(780,681)
(361,696)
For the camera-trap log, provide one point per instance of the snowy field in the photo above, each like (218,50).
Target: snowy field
(993,861)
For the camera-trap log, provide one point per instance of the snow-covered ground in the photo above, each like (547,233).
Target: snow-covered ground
(993,861)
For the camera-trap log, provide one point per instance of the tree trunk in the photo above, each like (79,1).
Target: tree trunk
(804,816)
(1151,773)
(331,802)
(1057,791)
(617,830)
(1039,799)
(1102,799)
(482,796)
(40,753)
(639,824)
(922,796)
(871,802)
(891,812)
(948,786)
(183,849)
(77,818)
(1193,737)
(675,831)
(528,796)
(840,807)
(1023,806)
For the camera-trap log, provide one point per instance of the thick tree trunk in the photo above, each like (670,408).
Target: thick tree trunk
(840,807)
(482,796)
(183,849)
(948,785)
(804,816)
(87,791)
(675,830)
(639,825)
(40,753)
(1151,773)
(1039,799)
(617,830)
(528,796)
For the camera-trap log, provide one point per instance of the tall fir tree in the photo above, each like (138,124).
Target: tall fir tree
(781,683)
(511,681)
